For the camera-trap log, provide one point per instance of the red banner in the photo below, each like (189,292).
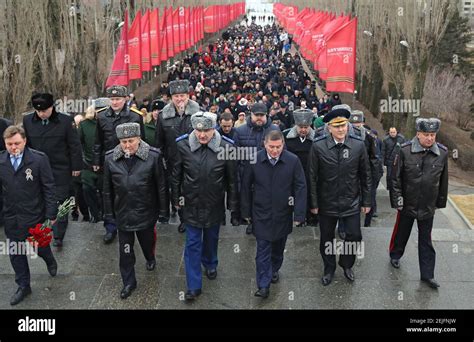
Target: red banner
(145,43)
(163,38)
(134,49)
(155,37)
(192,26)
(341,58)
(209,20)
(182,28)
(119,72)
(331,27)
(187,28)
(169,31)
(176,38)
(201,22)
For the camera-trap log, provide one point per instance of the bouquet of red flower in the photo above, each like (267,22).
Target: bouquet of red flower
(41,234)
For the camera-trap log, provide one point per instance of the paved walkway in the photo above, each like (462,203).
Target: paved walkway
(88,276)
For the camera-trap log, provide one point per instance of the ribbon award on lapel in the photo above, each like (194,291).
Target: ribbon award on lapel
(29,175)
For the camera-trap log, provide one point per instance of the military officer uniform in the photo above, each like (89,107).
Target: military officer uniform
(419,187)
(57,137)
(301,146)
(106,139)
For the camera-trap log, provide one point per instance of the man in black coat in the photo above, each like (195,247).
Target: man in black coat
(420,186)
(226,128)
(340,185)
(55,134)
(226,125)
(107,120)
(135,194)
(299,140)
(251,137)
(390,148)
(357,120)
(273,196)
(28,191)
(202,174)
(173,122)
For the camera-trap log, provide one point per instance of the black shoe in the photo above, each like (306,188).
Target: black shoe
(349,274)
(342,234)
(181,228)
(275,277)
(109,237)
(224,220)
(19,295)
(75,216)
(302,224)
(327,279)
(127,291)
(375,215)
(150,265)
(235,221)
(263,292)
(395,263)
(192,294)
(163,220)
(57,243)
(211,274)
(431,283)
(249,229)
(366,224)
(52,267)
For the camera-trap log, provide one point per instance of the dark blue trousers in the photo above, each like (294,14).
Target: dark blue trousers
(146,239)
(20,265)
(201,248)
(268,260)
(426,251)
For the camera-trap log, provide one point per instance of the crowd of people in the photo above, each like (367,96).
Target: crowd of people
(310,161)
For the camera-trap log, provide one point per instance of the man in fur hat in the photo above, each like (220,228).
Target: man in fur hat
(299,140)
(201,177)
(135,194)
(107,120)
(173,122)
(419,187)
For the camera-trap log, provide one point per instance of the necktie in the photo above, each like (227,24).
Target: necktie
(45,122)
(16,163)
(273,161)
(339,145)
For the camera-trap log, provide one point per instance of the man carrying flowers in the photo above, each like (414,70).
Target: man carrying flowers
(28,201)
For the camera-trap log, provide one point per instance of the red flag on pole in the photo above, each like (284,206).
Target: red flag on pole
(169,31)
(145,43)
(134,49)
(163,37)
(209,19)
(341,58)
(192,26)
(187,28)
(182,26)
(201,22)
(328,30)
(155,37)
(176,40)
(119,71)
